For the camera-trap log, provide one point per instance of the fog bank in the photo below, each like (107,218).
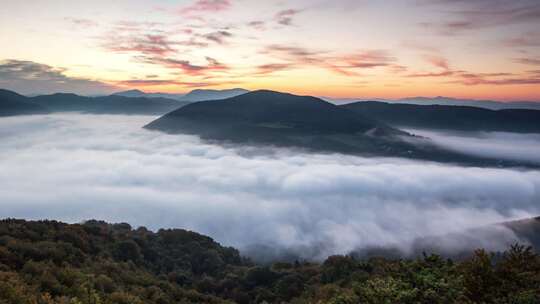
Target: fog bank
(75,167)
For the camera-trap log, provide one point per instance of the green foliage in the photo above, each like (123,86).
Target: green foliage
(48,262)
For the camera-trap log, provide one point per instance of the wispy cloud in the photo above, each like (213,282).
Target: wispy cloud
(82,22)
(471,15)
(28,77)
(149,44)
(528,61)
(218,37)
(185,66)
(285,17)
(272,67)
(257,24)
(347,64)
(206,6)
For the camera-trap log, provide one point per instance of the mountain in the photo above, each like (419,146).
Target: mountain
(487,104)
(286,120)
(139,93)
(445,101)
(12,103)
(449,117)
(63,102)
(195,95)
(201,95)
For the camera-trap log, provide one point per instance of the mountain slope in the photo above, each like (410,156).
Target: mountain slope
(202,94)
(62,102)
(449,117)
(486,104)
(95,262)
(280,119)
(139,93)
(12,103)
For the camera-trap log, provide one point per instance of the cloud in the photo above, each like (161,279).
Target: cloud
(347,64)
(185,66)
(272,67)
(528,61)
(258,25)
(500,145)
(470,78)
(438,61)
(28,77)
(470,15)
(82,22)
(218,36)
(77,167)
(202,6)
(149,44)
(285,17)
(529,39)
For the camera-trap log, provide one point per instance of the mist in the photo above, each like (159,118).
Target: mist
(74,167)
(499,145)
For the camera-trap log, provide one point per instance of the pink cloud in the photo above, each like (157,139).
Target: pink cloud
(206,6)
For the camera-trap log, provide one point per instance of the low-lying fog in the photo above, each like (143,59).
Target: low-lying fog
(74,167)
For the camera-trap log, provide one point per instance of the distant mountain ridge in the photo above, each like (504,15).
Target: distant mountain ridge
(458,118)
(139,93)
(194,95)
(446,101)
(206,94)
(12,103)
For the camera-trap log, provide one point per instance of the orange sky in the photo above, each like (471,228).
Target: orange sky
(482,49)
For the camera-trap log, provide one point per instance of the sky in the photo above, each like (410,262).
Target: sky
(481,49)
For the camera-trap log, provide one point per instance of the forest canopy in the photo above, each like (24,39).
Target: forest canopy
(97,262)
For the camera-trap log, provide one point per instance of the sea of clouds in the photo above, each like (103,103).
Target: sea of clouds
(74,167)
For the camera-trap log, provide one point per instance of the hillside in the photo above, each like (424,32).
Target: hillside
(96,262)
(458,118)
(62,102)
(286,120)
(207,94)
(139,93)
(12,103)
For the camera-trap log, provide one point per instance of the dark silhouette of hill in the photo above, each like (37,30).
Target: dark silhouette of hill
(281,119)
(139,93)
(206,94)
(447,101)
(62,102)
(194,95)
(12,103)
(449,117)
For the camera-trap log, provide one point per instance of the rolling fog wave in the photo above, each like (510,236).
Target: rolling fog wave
(73,167)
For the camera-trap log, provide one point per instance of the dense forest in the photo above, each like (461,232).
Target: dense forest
(96,262)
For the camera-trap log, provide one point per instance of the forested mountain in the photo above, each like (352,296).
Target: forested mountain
(207,94)
(459,118)
(62,102)
(95,262)
(12,103)
(286,120)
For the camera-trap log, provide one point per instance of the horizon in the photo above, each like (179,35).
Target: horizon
(331,99)
(481,50)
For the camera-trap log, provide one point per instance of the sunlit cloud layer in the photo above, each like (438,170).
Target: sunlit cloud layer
(344,48)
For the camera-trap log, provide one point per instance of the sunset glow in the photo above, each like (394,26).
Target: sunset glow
(481,49)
